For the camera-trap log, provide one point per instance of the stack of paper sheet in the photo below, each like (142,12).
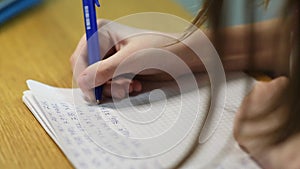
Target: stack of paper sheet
(103,136)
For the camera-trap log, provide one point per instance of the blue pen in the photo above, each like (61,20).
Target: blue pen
(90,20)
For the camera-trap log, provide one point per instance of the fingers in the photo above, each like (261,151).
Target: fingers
(79,58)
(263,99)
(125,61)
(99,73)
(264,127)
(261,116)
(118,89)
(124,51)
(121,88)
(257,136)
(263,105)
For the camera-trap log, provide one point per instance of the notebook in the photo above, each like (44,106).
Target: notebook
(120,135)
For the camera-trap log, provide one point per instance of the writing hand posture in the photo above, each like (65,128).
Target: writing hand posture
(134,51)
(120,44)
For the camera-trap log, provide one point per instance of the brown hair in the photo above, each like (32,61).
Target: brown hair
(211,12)
(293,123)
(207,11)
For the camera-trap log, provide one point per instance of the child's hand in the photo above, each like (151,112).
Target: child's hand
(260,121)
(118,45)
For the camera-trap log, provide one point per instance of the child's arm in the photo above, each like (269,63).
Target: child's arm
(271,38)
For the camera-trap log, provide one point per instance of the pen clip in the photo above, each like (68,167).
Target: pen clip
(97,3)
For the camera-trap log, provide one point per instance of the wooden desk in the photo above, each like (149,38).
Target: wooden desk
(37,45)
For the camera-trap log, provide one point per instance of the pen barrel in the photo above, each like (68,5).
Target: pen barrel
(90,20)
(91,28)
(98,93)
(93,50)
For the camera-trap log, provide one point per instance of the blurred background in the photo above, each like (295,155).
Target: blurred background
(37,38)
(11,8)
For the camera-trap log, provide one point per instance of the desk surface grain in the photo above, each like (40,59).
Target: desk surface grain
(37,45)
